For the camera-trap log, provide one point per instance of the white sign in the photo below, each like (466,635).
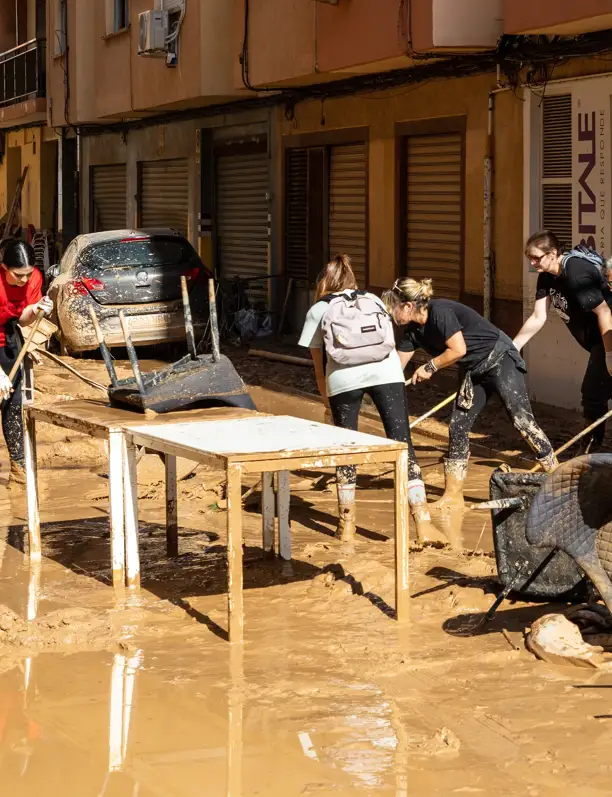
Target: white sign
(591,166)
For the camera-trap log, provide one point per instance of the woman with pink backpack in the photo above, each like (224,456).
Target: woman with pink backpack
(351,339)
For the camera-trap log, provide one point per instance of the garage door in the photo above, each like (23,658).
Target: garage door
(108,197)
(164,194)
(242,186)
(348,206)
(434,206)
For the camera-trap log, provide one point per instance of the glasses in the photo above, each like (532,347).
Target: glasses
(536,259)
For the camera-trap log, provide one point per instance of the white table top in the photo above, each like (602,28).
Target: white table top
(262,435)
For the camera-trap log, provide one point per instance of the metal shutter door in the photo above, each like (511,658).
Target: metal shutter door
(164,194)
(109,197)
(434,185)
(242,186)
(557,167)
(296,219)
(348,206)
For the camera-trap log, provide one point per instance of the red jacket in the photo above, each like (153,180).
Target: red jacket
(14,300)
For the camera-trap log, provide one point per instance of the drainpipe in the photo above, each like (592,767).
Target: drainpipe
(488,213)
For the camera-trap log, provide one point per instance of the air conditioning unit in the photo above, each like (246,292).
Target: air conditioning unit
(152,33)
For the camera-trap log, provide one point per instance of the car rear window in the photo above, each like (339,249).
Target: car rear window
(150,252)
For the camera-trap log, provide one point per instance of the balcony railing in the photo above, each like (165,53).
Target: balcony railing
(22,73)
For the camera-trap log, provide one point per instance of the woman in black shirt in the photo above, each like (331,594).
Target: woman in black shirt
(576,284)
(489,363)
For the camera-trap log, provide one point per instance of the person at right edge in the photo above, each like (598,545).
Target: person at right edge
(575,283)
(451,332)
(20,301)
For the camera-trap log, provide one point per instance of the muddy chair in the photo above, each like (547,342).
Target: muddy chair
(572,512)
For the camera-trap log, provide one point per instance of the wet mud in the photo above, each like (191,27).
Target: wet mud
(119,695)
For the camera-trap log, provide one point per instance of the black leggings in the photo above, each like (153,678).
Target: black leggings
(508,382)
(596,392)
(12,417)
(391,403)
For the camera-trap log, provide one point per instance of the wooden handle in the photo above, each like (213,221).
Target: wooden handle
(575,439)
(24,349)
(433,410)
(214,324)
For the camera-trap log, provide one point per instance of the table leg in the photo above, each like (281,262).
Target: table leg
(267,512)
(402,594)
(130,492)
(29,440)
(171,507)
(115,479)
(234,554)
(284,527)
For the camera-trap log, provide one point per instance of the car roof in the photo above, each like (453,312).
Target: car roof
(92,238)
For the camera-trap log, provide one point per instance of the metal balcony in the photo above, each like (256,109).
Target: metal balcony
(22,73)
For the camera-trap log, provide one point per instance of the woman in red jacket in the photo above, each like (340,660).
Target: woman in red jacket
(20,300)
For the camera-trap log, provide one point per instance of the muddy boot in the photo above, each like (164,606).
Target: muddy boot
(447,513)
(346,513)
(426,532)
(17,476)
(549,463)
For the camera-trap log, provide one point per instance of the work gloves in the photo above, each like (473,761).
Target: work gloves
(5,386)
(45,305)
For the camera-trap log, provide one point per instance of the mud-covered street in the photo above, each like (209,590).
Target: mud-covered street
(328,695)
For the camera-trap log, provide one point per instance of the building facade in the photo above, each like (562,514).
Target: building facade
(423,137)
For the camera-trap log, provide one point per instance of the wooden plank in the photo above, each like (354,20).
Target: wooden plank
(320,462)
(115,478)
(172,548)
(31,473)
(402,594)
(267,512)
(284,527)
(234,555)
(130,495)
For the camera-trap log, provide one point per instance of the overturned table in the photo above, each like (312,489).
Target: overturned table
(264,444)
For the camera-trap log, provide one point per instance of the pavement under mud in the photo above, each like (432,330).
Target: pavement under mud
(144,696)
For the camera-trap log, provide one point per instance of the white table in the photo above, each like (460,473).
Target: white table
(98,419)
(263,444)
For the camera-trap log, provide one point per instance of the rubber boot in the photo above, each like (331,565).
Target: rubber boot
(426,532)
(447,513)
(549,463)
(17,474)
(346,512)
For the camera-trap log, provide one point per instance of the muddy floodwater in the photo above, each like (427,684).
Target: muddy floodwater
(105,695)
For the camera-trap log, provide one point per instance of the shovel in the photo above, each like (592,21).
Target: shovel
(24,349)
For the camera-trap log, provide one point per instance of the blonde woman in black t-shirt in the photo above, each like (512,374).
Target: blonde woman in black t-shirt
(451,332)
(576,285)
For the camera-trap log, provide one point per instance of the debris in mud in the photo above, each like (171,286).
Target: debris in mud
(443,742)
(73,628)
(556,640)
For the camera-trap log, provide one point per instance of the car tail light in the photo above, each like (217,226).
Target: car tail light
(84,285)
(131,240)
(192,274)
(93,284)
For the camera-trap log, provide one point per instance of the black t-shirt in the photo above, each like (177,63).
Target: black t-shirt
(574,294)
(445,319)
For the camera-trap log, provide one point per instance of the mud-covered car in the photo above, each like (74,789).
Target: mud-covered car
(137,271)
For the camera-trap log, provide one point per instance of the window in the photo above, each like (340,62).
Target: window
(121,15)
(59,28)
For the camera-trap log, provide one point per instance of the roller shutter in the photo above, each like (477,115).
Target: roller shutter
(242,186)
(108,197)
(434,206)
(164,194)
(296,220)
(348,206)
(557,167)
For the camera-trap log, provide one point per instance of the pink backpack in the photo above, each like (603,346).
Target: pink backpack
(356,329)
